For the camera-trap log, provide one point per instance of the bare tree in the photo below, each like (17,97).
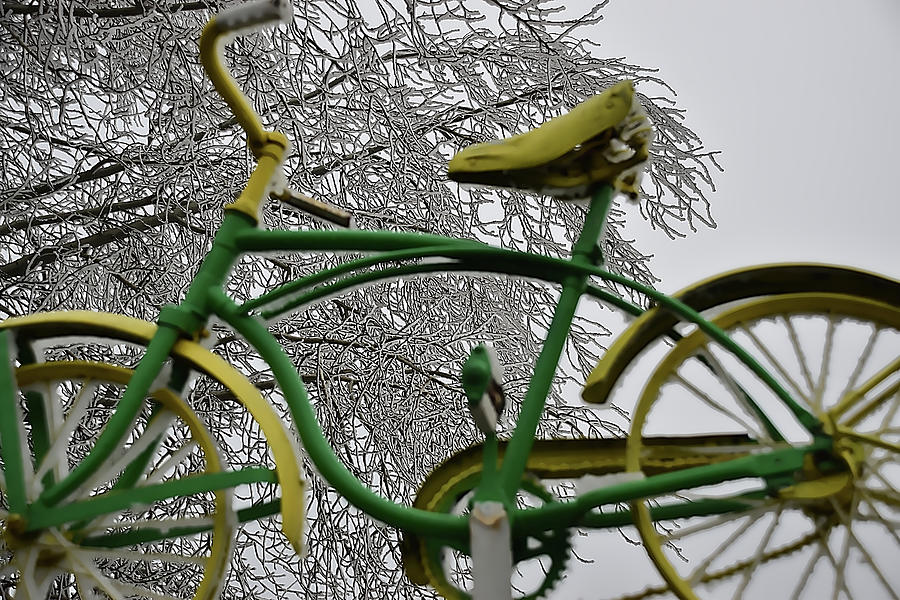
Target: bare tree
(118,156)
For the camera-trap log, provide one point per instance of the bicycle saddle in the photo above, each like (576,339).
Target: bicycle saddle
(605,139)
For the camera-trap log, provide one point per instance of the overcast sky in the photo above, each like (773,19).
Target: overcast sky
(802,99)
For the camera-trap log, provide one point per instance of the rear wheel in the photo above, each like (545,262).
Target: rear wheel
(834,532)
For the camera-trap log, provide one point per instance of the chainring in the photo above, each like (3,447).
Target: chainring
(554,544)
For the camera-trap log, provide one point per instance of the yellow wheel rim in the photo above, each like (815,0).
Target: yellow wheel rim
(285,451)
(223,522)
(866,398)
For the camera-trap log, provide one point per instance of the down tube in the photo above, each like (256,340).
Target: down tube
(421,522)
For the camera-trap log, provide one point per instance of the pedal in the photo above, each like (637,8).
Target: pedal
(482,375)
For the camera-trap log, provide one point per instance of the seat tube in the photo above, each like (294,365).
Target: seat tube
(585,251)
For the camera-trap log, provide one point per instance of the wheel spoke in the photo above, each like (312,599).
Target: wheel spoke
(890,500)
(870,440)
(90,578)
(893,498)
(35,581)
(133,556)
(712,522)
(803,579)
(115,520)
(758,555)
(840,584)
(840,569)
(848,525)
(157,426)
(819,389)
(700,571)
(56,455)
(774,362)
(171,461)
(711,403)
(852,398)
(117,589)
(85,569)
(737,394)
(81,564)
(890,526)
(800,355)
(893,391)
(860,364)
(816,538)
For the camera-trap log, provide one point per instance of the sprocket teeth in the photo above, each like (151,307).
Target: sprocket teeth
(557,545)
(550,582)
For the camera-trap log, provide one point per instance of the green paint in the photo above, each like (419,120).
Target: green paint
(573,286)
(119,500)
(318,447)
(680,510)
(11,442)
(774,464)
(577,277)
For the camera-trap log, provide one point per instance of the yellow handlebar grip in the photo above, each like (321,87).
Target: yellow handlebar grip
(239,18)
(268,147)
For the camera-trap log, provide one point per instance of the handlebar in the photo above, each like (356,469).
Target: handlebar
(269,147)
(254,14)
(241,18)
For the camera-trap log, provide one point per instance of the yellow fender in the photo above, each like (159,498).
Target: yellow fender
(136,331)
(740,284)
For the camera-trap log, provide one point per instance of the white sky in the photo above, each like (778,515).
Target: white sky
(802,99)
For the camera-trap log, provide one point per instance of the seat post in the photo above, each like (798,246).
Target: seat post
(587,248)
(584,252)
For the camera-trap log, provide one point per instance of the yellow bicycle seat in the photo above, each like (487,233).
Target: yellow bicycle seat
(605,139)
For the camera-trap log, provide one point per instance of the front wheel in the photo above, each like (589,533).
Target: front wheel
(833,533)
(224,400)
(178,547)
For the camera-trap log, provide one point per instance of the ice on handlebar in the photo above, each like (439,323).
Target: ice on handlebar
(254,14)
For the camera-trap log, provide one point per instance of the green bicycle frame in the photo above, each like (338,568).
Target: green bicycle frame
(239,235)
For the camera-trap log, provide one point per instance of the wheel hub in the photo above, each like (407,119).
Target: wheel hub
(17,538)
(14,534)
(829,480)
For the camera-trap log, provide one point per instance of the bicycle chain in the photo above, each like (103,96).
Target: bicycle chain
(734,568)
(738,566)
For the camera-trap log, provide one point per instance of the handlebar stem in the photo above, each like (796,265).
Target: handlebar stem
(268,169)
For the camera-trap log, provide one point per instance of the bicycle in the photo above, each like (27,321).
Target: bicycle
(803,445)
